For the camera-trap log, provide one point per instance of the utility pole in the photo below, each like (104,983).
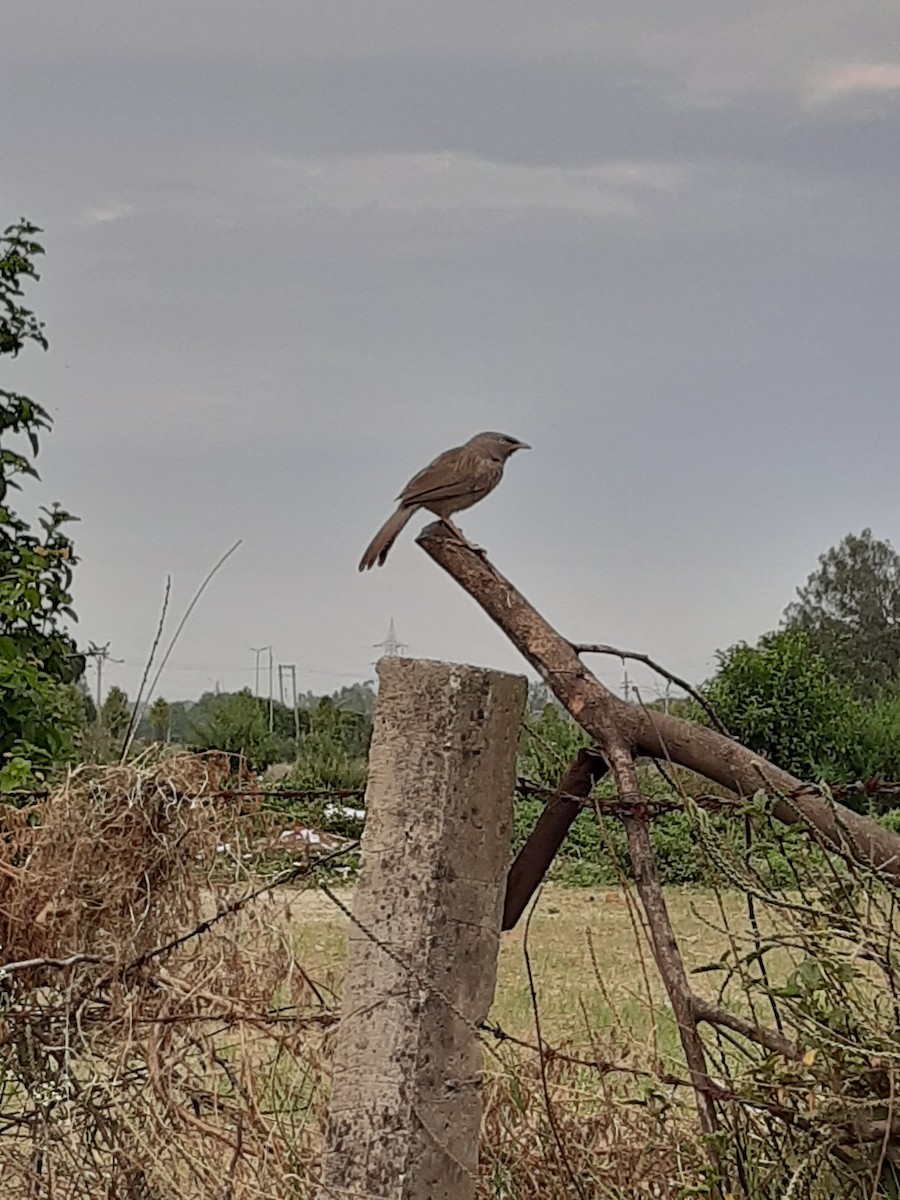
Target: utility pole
(257,650)
(100,654)
(271,695)
(296,709)
(626,688)
(663,695)
(291,670)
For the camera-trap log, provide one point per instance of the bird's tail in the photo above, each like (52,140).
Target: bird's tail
(381,543)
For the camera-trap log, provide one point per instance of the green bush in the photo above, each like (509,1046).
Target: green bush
(332,748)
(891,820)
(548,744)
(875,750)
(38,658)
(236,723)
(779,699)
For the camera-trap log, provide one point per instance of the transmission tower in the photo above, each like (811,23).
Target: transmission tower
(391,647)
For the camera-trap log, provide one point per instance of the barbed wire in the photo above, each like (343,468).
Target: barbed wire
(526,788)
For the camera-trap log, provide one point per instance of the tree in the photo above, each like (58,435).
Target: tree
(160,718)
(850,607)
(332,749)
(780,699)
(38,658)
(115,712)
(237,723)
(357,698)
(539,696)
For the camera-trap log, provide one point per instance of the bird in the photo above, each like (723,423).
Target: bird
(457,479)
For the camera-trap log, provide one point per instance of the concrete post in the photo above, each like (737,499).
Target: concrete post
(405,1108)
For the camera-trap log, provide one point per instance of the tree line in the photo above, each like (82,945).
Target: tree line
(325,741)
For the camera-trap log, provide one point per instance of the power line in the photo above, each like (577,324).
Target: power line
(244,668)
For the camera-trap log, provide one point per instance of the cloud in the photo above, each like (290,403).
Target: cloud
(102,214)
(436,182)
(854,79)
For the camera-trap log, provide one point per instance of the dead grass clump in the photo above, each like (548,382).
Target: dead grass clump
(184,1056)
(612,1140)
(106,864)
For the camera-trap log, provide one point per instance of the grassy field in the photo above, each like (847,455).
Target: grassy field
(593,971)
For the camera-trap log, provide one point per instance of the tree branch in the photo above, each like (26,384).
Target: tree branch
(634,656)
(712,1014)
(655,734)
(535,857)
(662,936)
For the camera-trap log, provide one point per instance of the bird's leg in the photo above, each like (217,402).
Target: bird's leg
(462,539)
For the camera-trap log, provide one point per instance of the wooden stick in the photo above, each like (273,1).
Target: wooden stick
(549,833)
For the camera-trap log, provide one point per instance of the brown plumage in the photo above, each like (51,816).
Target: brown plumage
(456,479)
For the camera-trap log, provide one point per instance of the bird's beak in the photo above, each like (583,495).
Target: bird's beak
(521,446)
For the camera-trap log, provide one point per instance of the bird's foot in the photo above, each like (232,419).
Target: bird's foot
(463,540)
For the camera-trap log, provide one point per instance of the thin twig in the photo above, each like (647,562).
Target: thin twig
(26,964)
(636,656)
(190,608)
(137,711)
(886,1140)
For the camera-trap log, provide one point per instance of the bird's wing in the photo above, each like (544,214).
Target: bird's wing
(454,474)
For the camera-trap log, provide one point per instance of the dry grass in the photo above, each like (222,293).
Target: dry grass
(193,1072)
(100,865)
(186,1053)
(591,967)
(200,1069)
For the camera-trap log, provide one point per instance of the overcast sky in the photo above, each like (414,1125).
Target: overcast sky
(298,247)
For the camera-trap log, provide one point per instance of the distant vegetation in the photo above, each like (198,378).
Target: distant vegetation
(330,751)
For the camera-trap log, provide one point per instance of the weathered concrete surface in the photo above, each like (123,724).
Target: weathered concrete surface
(406,1106)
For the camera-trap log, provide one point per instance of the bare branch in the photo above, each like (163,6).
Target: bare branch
(713,1014)
(662,936)
(656,734)
(535,857)
(187,612)
(635,656)
(138,710)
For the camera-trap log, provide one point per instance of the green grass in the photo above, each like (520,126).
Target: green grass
(593,969)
